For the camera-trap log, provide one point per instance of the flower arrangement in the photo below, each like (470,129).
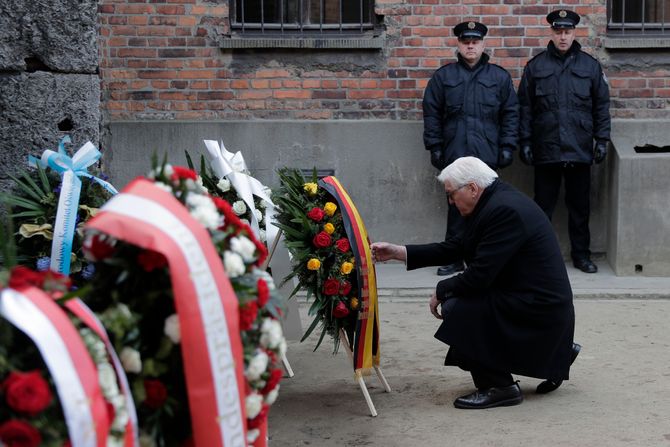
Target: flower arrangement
(34,202)
(133,296)
(31,413)
(323,261)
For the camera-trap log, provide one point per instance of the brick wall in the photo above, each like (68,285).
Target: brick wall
(161,59)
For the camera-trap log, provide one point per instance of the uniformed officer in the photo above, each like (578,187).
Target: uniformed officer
(469,108)
(564,100)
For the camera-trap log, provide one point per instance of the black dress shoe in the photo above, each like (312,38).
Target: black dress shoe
(505,396)
(549,385)
(585,265)
(450,269)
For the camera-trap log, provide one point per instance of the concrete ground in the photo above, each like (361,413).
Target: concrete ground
(618,394)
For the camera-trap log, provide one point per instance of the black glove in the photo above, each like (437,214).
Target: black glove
(526,155)
(505,158)
(600,152)
(437,159)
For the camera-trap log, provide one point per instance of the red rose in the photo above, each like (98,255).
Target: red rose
(316,214)
(262,251)
(272,382)
(248,314)
(24,277)
(345,288)
(111,412)
(27,393)
(321,240)
(343,245)
(263,293)
(258,420)
(97,248)
(151,260)
(340,310)
(15,433)
(331,286)
(179,172)
(53,281)
(156,394)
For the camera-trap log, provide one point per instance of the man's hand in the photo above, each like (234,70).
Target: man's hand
(505,158)
(437,159)
(526,155)
(434,305)
(600,151)
(383,251)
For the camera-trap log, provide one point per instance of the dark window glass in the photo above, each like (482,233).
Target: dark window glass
(639,16)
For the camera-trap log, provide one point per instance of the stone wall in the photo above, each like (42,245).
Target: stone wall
(49,86)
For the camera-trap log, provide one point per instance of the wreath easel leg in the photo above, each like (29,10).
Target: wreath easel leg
(359,376)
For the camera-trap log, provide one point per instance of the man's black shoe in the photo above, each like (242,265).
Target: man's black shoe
(450,269)
(549,385)
(585,265)
(505,396)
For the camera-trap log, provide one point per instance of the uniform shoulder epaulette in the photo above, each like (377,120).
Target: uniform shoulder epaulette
(537,55)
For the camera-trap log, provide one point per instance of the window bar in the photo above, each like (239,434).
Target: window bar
(642,17)
(242,9)
(623,17)
(281,15)
(262,17)
(341,15)
(663,17)
(360,11)
(322,16)
(301,22)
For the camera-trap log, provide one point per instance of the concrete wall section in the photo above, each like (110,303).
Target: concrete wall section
(639,241)
(381,163)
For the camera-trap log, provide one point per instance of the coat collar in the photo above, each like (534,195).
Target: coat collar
(482,61)
(485,197)
(574,48)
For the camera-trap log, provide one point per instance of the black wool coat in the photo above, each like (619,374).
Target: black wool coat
(513,310)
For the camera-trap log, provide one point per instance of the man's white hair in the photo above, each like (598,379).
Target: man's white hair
(468,170)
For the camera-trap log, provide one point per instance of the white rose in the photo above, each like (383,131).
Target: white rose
(199,186)
(239,207)
(272,396)
(257,366)
(107,379)
(233,264)
(252,435)
(124,310)
(223,185)
(131,360)
(271,333)
(244,247)
(262,235)
(253,404)
(245,221)
(167,171)
(259,215)
(171,328)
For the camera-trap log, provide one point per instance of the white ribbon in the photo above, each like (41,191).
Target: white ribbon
(232,166)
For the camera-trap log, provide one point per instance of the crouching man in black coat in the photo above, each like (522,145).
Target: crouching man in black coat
(510,311)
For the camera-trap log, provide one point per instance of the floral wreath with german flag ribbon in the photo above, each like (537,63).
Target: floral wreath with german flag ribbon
(331,260)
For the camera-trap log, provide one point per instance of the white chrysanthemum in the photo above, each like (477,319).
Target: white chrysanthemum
(199,186)
(171,328)
(282,347)
(223,185)
(121,415)
(253,404)
(164,187)
(271,333)
(107,379)
(131,360)
(262,235)
(239,207)
(244,247)
(203,210)
(259,215)
(271,397)
(234,264)
(252,435)
(257,366)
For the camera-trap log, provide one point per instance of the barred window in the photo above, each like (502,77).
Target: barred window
(303,17)
(638,17)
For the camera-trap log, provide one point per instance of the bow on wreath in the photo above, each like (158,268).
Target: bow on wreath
(68,202)
(232,166)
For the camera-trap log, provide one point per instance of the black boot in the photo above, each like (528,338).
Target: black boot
(549,385)
(492,397)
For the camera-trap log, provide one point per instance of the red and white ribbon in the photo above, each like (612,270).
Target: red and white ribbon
(76,378)
(149,217)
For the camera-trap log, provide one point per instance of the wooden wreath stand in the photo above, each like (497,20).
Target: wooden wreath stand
(359,377)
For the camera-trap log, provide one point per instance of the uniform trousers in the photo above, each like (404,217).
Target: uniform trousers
(577,177)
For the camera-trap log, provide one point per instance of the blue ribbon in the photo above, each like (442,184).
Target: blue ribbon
(68,202)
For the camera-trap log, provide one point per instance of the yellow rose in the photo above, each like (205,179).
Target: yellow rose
(329,228)
(353,303)
(310,188)
(330,208)
(346,268)
(313,264)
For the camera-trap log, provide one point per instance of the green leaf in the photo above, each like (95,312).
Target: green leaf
(18,201)
(29,187)
(46,186)
(323,333)
(189,162)
(311,327)
(29,214)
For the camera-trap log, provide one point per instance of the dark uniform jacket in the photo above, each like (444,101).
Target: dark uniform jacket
(564,106)
(470,111)
(513,310)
